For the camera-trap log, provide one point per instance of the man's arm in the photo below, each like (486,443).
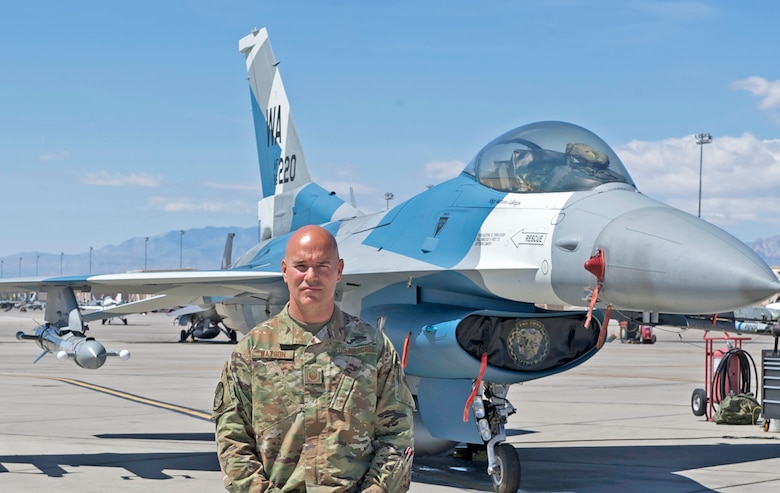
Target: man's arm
(391,468)
(241,467)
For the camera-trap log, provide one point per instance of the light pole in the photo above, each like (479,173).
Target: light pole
(90,260)
(62,254)
(181,242)
(1,268)
(388,198)
(146,249)
(701,139)
(20,266)
(37,258)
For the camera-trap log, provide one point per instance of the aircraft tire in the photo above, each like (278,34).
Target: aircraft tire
(506,474)
(699,402)
(183,336)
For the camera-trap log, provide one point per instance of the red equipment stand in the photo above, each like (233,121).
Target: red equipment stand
(703,401)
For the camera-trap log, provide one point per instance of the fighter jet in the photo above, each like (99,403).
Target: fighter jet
(106,303)
(506,273)
(201,323)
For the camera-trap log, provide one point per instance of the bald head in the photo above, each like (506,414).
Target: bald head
(311,268)
(307,236)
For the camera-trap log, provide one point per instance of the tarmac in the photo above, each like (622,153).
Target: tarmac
(620,422)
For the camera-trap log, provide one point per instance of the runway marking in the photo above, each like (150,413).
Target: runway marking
(194,413)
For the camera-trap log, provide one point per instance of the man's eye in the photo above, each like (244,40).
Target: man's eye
(317,268)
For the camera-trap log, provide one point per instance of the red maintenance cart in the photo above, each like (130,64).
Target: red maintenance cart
(632,332)
(726,371)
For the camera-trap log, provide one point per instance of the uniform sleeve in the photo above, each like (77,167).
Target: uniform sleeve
(391,468)
(241,468)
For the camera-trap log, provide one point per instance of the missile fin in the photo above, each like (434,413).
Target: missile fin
(44,353)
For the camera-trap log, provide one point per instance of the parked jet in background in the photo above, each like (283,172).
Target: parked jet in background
(201,323)
(103,304)
(544,215)
(29,301)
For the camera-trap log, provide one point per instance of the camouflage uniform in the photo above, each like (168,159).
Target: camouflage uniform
(321,413)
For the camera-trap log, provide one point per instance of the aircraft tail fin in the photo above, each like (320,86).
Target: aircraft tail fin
(227,255)
(290,198)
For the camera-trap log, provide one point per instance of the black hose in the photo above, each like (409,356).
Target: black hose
(720,377)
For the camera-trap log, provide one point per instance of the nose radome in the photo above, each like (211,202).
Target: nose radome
(664,260)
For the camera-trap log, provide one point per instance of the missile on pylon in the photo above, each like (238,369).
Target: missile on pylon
(70,342)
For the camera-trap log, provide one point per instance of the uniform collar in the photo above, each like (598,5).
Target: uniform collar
(292,332)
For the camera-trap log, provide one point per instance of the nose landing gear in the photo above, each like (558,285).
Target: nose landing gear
(491,410)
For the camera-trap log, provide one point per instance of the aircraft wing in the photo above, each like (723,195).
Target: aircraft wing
(186,310)
(176,286)
(146,305)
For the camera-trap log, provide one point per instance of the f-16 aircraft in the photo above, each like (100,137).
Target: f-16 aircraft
(463,275)
(201,323)
(103,304)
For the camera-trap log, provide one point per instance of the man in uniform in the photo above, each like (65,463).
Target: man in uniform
(314,399)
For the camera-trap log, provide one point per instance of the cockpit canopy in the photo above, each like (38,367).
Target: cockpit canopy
(547,157)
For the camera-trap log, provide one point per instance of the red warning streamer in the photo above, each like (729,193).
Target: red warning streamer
(477,385)
(406,350)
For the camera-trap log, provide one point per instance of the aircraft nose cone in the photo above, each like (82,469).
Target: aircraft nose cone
(90,354)
(664,260)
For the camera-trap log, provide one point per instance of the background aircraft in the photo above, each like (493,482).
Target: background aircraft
(27,301)
(103,304)
(201,323)
(545,215)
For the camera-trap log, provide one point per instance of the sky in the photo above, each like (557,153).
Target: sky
(130,119)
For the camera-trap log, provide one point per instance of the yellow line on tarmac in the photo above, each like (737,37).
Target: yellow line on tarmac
(132,397)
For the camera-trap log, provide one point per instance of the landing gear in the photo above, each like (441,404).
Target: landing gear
(205,328)
(491,410)
(506,472)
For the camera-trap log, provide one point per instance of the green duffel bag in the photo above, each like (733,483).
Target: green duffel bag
(739,409)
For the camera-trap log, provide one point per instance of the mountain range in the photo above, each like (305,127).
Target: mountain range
(194,249)
(768,249)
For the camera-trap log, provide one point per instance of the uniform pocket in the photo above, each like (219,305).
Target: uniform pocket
(342,394)
(353,405)
(273,398)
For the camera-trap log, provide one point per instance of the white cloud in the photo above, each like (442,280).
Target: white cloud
(740,176)
(234,186)
(177,204)
(53,156)
(768,91)
(104,178)
(443,170)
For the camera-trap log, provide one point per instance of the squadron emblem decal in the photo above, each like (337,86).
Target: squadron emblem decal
(529,343)
(219,396)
